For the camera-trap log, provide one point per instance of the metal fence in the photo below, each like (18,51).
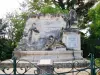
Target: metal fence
(24,69)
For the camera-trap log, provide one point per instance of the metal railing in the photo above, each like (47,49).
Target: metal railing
(90,69)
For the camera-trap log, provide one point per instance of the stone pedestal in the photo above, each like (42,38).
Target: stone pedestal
(71,38)
(56,56)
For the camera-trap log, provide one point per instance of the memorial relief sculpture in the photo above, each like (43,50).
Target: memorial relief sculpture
(50,37)
(38,39)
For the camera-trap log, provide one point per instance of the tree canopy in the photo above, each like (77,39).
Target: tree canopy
(94,16)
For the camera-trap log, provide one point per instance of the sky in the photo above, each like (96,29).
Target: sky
(8,6)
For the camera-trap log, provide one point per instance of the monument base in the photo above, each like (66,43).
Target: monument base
(55,56)
(64,64)
(61,59)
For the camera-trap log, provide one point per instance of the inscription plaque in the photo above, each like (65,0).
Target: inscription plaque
(71,40)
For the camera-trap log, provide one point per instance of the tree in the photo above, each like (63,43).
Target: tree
(94,16)
(3,26)
(18,26)
(6,46)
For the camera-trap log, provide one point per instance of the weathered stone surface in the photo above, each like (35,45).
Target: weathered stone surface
(58,55)
(62,64)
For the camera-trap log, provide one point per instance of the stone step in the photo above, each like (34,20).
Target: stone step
(65,64)
(35,56)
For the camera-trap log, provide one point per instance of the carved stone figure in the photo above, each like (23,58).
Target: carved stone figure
(30,32)
(70,18)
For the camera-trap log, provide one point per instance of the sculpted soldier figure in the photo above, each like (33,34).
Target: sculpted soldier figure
(71,18)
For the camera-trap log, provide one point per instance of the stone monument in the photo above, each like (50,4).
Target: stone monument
(55,37)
